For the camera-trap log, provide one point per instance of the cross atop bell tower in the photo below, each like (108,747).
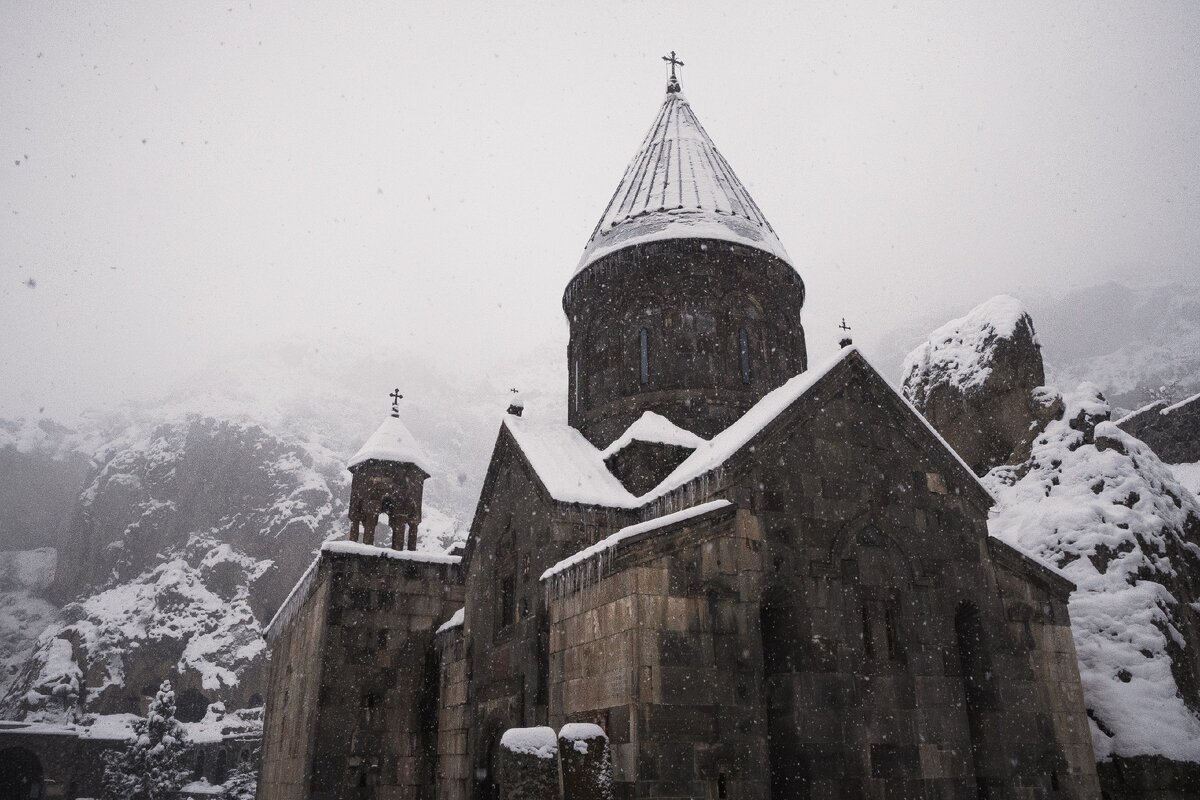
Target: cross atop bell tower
(673,83)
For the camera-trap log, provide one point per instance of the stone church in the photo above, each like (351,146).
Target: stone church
(749,576)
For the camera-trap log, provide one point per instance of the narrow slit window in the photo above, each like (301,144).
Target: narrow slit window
(744,354)
(644,349)
(868,643)
(892,624)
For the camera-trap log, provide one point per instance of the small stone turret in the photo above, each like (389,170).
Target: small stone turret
(388,479)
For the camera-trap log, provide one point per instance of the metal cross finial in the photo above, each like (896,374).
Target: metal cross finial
(846,341)
(673,84)
(396,398)
(844,326)
(513,390)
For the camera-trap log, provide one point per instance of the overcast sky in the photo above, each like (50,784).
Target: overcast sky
(182,180)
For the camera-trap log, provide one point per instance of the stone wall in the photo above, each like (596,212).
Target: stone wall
(1174,436)
(290,721)
(662,652)
(693,298)
(454,692)
(1036,609)
(371,728)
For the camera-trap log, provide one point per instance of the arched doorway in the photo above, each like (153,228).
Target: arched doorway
(20,774)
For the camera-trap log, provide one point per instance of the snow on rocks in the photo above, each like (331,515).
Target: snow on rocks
(539,741)
(391,441)
(456,621)
(192,611)
(961,352)
(655,429)
(975,380)
(1098,504)
(609,542)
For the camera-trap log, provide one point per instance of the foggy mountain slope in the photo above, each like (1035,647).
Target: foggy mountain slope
(191,528)
(1118,337)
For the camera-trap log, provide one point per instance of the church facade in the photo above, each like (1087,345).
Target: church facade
(756,577)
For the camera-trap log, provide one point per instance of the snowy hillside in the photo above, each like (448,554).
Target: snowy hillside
(1100,506)
(194,516)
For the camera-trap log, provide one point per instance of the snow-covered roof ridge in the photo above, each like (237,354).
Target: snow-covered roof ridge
(656,429)
(960,351)
(629,531)
(391,441)
(1164,408)
(678,185)
(568,465)
(456,621)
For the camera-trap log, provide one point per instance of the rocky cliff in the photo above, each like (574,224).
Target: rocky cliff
(975,380)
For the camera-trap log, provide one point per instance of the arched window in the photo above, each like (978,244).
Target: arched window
(744,354)
(644,359)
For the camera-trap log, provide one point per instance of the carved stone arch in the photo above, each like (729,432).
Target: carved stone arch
(867,530)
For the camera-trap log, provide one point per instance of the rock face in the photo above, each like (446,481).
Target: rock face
(974,380)
(180,548)
(1171,429)
(1099,505)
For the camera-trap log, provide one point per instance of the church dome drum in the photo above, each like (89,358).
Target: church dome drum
(684,302)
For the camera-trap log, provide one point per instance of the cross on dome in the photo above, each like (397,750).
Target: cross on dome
(396,398)
(673,84)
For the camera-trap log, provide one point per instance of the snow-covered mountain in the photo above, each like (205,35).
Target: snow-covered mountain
(192,518)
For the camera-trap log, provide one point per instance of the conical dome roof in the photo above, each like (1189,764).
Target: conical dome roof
(391,442)
(679,186)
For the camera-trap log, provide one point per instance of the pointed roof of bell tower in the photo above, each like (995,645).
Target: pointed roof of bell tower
(679,186)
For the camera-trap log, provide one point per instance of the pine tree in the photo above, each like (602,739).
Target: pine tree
(152,767)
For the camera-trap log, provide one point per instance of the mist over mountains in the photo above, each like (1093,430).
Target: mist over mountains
(168,532)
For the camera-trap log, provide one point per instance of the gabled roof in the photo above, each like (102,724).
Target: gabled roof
(679,186)
(656,429)
(573,470)
(391,441)
(568,465)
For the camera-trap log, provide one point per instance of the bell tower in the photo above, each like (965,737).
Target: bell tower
(684,302)
(388,478)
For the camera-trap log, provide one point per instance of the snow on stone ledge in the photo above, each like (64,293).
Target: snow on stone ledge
(573,731)
(358,548)
(540,741)
(612,541)
(960,352)
(456,621)
(292,603)
(656,429)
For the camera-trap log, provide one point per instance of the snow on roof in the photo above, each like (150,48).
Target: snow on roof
(568,464)
(391,441)
(573,470)
(1164,407)
(358,548)
(456,621)
(717,450)
(611,541)
(679,186)
(960,351)
(540,741)
(654,428)
(292,603)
